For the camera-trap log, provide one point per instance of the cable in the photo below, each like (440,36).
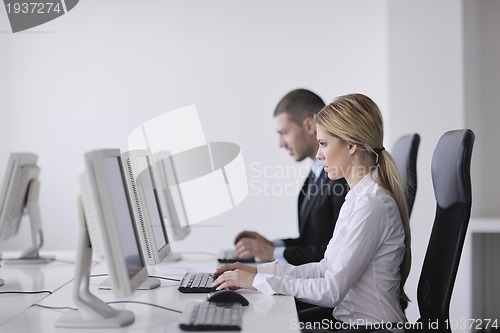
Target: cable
(98,275)
(151,276)
(144,303)
(20,260)
(27,292)
(164,278)
(55,307)
(63,261)
(200,252)
(113,302)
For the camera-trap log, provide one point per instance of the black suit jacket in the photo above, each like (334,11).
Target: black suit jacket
(316,220)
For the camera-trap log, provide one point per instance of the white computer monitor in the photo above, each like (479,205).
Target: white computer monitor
(2,282)
(106,185)
(19,197)
(147,209)
(171,201)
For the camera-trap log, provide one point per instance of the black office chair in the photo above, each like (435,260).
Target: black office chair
(452,189)
(405,152)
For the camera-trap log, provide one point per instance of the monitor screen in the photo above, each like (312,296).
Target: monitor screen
(21,170)
(116,228)
(170,196)
(122,212)
(149,218)
(145,181)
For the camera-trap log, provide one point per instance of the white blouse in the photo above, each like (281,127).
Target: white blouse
(359,275)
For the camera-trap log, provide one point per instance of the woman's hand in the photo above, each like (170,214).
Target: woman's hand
(235,276)
(236,265)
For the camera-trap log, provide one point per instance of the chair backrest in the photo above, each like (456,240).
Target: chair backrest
(452,188)
(405,153)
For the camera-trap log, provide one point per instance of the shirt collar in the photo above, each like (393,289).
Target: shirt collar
(363,185)
(316,168)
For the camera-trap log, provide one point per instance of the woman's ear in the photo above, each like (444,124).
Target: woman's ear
(352,148)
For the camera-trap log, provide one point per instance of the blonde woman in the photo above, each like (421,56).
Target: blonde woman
(368,258)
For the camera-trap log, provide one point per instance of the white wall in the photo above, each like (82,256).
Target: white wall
(426,97)
(86,79)
(482,79)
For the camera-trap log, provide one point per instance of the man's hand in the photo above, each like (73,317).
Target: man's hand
(251,234)
(250,243)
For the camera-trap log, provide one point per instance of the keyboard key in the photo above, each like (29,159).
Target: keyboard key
(227,256)
(196,283)
(210,316)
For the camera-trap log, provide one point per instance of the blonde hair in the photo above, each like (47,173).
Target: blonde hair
(356,118)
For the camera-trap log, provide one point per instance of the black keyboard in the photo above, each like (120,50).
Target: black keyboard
(196,283)
(227,257)
(211,316)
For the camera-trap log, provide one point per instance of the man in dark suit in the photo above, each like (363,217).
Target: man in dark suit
(320,198)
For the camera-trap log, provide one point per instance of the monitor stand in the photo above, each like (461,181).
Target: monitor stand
(92,312)
(31,255)
(172,257)
(149,284)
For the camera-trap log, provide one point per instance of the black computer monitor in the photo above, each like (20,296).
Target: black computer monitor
(104,191)
(19,197)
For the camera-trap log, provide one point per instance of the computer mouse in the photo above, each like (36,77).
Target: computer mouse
(227,296)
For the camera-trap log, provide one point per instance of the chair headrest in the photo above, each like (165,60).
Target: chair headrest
(452,185)
(405,151)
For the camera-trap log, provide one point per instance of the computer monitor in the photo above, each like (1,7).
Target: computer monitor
(2,281)
(19,197)
(147,209)
(170,195)
(105,183)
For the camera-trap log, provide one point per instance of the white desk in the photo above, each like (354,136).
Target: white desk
(36,277)
(264,314)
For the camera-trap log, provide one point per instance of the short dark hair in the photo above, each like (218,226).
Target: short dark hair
(299,104)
